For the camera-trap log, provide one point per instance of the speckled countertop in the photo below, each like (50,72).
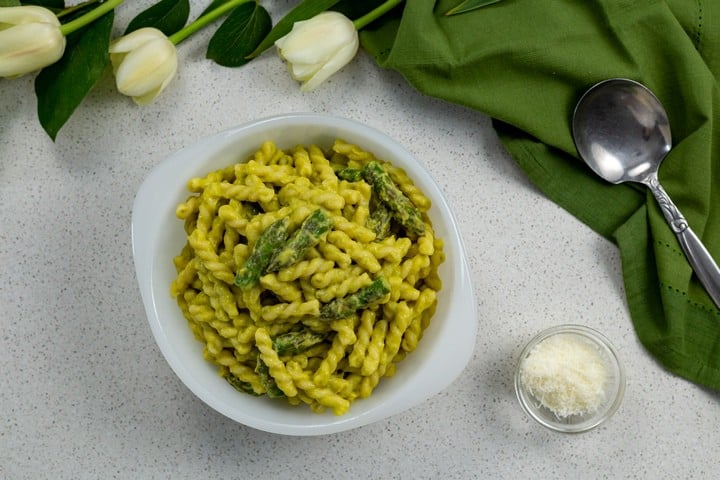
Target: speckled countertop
(86,393)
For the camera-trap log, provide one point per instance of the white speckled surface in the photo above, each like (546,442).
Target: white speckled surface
(85,392)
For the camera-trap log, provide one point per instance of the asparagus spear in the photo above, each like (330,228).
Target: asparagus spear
(271,388)
(308,235)
(239,385)
(363,298)
(292,343)
(379,221)
(269,241)
(401,207)
(349,174)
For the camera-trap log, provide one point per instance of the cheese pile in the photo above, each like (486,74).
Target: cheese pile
(566,374)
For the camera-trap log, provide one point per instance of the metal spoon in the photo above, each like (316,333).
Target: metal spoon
(622,132)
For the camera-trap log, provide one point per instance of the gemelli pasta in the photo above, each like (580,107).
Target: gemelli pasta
(307,274)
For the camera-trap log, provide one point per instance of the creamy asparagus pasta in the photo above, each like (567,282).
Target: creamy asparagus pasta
(307,275)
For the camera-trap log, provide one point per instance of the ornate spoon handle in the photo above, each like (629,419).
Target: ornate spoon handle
(697,255)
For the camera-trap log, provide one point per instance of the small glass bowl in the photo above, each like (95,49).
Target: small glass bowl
(614,388)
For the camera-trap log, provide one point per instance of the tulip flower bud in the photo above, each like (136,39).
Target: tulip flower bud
(30,39)
(144,63)
(318,47)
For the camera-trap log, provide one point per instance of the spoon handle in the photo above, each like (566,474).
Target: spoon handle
(697,255)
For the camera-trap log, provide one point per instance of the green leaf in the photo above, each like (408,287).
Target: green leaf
(213,5)
(468,5)
(50,4)
(61,87)
(354,9)
(9,3)
(305,10)
(168,16)
(239,35)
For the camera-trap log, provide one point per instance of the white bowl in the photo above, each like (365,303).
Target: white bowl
(157,236)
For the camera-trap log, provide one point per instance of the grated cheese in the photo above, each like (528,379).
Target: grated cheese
(566,374)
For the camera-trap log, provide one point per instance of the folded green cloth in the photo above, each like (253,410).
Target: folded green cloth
(525,63)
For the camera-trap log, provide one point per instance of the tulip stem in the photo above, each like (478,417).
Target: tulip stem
(89,17)
(204,21)
(373,15)
(69,10)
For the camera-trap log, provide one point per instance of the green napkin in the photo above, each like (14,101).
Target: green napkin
(525,63)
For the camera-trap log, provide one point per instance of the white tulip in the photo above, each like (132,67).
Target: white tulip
(317,48)
(144,63)
(30,39)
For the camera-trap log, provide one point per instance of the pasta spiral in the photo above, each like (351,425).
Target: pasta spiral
(317,330)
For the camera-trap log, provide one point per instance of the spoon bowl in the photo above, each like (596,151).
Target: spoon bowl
(622,132)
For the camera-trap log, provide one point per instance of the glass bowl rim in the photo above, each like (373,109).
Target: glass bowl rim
(610,406)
